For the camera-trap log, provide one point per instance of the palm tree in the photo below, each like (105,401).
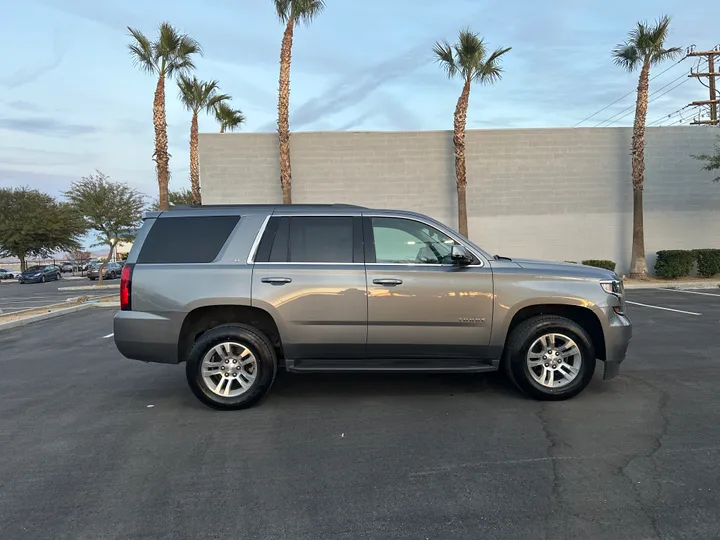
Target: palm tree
(290,13)
(196,95)
(644,47)
(229,119)
(467,59)
(169,56)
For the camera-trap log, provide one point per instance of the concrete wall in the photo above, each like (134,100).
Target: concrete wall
(558,194)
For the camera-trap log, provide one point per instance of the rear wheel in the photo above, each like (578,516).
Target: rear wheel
(231,367)
(550,357)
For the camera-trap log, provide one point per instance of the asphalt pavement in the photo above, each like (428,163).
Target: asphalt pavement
(17,297)
(95,446)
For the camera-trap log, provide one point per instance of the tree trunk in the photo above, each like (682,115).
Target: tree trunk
(23,262)
(284,113)
(460,169)
(104,263)
(222,128)
(638,265)
(194,160)
(161,156)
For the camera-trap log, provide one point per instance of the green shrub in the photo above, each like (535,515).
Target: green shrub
(674,263)
(708,261)
(607,265)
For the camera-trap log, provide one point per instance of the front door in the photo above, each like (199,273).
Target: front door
(309,275)
(420,304)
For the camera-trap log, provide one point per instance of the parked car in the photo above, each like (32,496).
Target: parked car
(67,267)
(110,271)
(40,274)
(238,292)
(6,273)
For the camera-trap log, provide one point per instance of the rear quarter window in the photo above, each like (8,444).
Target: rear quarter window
(196,239)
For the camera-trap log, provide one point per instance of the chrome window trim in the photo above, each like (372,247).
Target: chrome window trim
(448,232)
(256,242)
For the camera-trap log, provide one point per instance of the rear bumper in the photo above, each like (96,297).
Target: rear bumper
(145,336)
(618,335)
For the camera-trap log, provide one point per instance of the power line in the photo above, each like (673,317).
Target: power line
(665,117)
(711,75)
(631,108)
(629,93)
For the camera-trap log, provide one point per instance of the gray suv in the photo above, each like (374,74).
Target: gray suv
(238,292)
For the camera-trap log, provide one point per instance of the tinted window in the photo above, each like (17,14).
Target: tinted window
(321,239)
(196,239)
(403,241)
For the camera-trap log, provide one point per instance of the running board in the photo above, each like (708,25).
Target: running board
(410,365)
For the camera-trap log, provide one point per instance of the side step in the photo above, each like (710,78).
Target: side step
(409,365)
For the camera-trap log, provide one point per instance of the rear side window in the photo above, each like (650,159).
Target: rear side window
(312,239)
(196,239)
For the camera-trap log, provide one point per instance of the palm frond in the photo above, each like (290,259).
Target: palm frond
(282,7)
(659,33)
(227,117)
(490,71)
(141,51)
(443,52)
(214,100)
(646,44)
(667,54)
(306,10)
(626,56)
(470,52)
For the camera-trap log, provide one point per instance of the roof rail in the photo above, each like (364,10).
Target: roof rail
(199,207)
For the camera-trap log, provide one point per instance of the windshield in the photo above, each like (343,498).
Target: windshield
(34,269)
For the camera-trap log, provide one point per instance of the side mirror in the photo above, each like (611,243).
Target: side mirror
(460,255)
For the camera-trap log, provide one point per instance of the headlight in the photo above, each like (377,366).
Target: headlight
(617,289)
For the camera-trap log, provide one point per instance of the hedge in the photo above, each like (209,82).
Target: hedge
(607,265)
(708,261)
(674,263)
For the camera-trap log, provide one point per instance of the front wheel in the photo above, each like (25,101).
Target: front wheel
(42,279)
(231,367)
(550,357)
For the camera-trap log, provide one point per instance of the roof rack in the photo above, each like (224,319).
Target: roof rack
(208,206)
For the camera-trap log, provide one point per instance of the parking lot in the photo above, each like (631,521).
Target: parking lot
(95,446)
(15,297)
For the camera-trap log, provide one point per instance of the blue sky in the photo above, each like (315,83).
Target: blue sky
(71,100)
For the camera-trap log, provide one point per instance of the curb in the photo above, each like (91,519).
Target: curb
(57,313)
(670,285)
(89,287)
(43,316)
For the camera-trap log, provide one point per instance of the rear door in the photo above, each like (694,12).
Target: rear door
(309,274)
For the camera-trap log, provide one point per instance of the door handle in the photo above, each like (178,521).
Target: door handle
(276,280)
(389,282)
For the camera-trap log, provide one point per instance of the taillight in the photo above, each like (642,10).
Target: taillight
(125,285)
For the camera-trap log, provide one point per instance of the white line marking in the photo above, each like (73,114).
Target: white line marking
(688,292)
(109,335)
(663,308)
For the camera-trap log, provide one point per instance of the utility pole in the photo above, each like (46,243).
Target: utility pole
(711,75)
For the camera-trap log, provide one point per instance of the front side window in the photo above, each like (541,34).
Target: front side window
(404,241)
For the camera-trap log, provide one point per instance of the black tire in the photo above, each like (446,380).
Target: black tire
(250,337)
(521,339)
(57,277)
(42,279)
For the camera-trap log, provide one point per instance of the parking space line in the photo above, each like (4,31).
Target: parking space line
(109,335)
(663,308)
(688,292)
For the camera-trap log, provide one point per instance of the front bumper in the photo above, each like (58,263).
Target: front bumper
(35,279)
(618,335)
